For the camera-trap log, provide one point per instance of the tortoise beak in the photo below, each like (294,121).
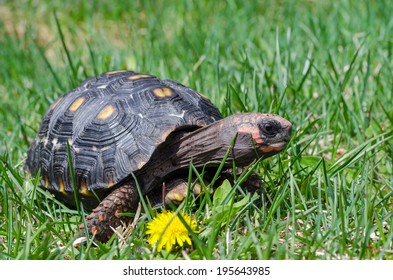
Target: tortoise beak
(285,136)
(286,129)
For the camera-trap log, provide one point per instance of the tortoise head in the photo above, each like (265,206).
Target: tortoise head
(257,135)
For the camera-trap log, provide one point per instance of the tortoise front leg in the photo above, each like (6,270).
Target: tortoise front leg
(107,213)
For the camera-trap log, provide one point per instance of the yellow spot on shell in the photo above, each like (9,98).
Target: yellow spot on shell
(164,134)
(106,112)
(56,103)
(110,183)
(61,186)
(163,92)
(140,163)
(137,77)
(76,104)
(46,182)
(83,189)
(116,71)
(203,96)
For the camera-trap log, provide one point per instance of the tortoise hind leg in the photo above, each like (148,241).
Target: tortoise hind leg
(107,213)
(177,191)
(174,193)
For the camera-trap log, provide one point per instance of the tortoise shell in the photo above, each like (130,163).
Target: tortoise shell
(112,123)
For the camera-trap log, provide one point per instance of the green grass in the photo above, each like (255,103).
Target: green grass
(325,65)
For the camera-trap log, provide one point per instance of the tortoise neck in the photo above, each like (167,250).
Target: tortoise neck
(203,145)
(200,146)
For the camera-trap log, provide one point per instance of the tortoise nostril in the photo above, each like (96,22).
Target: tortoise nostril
(289,129)
(289,132)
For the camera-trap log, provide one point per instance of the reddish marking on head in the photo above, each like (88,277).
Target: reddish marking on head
(285,123)
(253,130)
(272,148)
(257,138)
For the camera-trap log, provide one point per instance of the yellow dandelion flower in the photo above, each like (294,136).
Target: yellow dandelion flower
(167,229)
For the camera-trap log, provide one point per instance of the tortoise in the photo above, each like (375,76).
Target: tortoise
(121,126)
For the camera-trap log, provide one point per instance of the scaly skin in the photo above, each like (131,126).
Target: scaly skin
(107,214)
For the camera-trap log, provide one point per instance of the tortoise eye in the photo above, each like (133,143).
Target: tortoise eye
(270,128)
